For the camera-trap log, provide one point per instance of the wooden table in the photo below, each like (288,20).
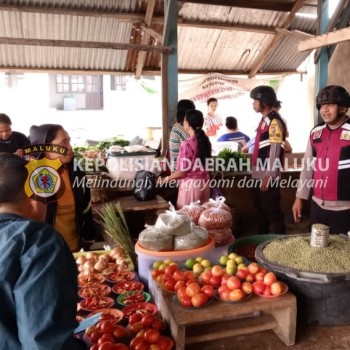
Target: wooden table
(222,320)
(130,203)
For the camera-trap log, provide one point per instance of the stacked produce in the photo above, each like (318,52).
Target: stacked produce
(137,322)
(217,220)
(200,276)
(173,230)
(193,210)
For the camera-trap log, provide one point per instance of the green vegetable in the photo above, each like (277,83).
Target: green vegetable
(232,159)
(114,224)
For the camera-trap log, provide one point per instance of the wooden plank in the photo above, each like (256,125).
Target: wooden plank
(227,26)
(153,33)
(142,55)
(296,34)
(270,47)
(84,44)
(274,5)
(130,203)
(327,39)
(227,329)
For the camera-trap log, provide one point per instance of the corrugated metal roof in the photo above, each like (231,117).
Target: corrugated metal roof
(199,49)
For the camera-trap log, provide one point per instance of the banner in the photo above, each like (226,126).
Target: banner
(220,86)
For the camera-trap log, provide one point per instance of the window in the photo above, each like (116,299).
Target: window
(118,82)
(77,83)
(13,80)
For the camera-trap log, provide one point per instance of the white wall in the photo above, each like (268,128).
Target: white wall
(129,114)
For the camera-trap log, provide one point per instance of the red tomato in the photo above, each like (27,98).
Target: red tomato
(253,268)
(154,347)
(107,327)
(224,279)
(119,332)
(95,336)
(165,343)
(121,346)
(277,288)
(179,276)
(94,347)
(215,280)
(199,299)
(242,274)
(192,289)
(155,273)
(188,274)
(170,269)
(185,301)
(106,346)
(179,284)
(208,291)
(258,287)
(106,338)
(136,327)
(170,284)
(147,320)
(134,318)
(181,292)
(141,346)
(270,278)
(233,283)
(135,341)
(152,335)
(205,277)
(259,276)
(158,324)
(217,270)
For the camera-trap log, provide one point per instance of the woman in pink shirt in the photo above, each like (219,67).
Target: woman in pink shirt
(191,169)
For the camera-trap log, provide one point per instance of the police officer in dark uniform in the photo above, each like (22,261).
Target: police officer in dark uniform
(267,162)
(328,151)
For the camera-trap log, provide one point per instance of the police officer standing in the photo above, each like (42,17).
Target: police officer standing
(328,151)
(267,160)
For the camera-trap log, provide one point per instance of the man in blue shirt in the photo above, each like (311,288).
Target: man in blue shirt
(233,133)
(38,274)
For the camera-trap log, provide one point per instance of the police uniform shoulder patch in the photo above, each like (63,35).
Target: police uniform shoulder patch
(345,135)
(275,132)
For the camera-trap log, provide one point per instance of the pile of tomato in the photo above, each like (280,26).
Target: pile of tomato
(141,333)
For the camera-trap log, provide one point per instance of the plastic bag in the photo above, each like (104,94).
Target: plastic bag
(145,187)
(173,223)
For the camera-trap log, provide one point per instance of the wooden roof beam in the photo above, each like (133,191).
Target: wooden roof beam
(226,26)
(84,44)
(325,39)
(274,5)
(270,47)
(151,32)
(142,54)
(296,34)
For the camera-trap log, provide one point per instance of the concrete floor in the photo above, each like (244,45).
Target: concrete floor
(308,338)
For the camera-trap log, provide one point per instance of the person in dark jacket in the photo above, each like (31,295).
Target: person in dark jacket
(11,141)
(38,274)
(325,175)
(267,161)
(70,214)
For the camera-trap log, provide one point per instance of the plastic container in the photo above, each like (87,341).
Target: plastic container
(323,298)
(250,242)
(123,166)
(147,257)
